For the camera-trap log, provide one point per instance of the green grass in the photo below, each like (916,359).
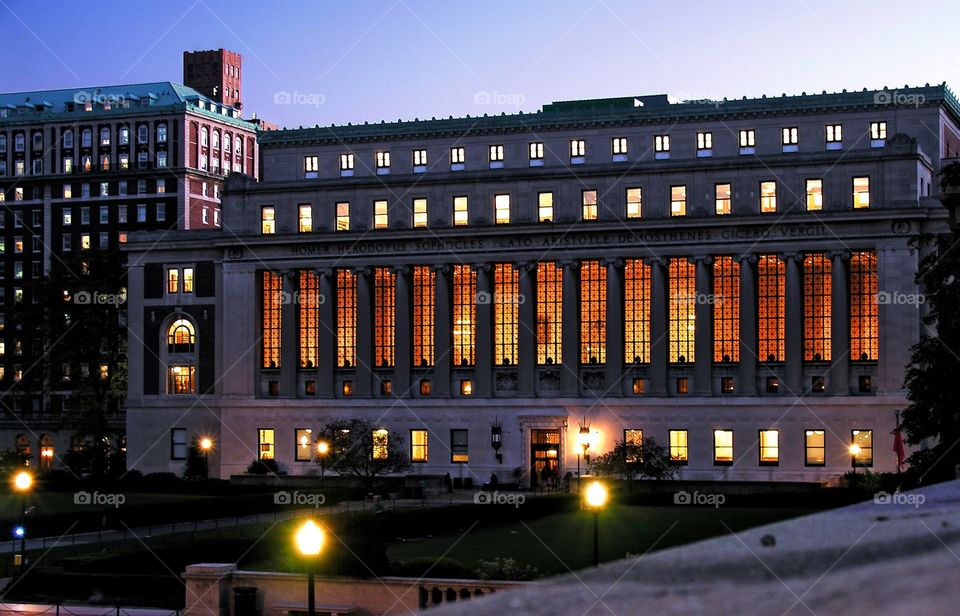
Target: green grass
(556,543)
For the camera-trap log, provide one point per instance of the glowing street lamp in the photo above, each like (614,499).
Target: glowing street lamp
(22,482)
(323,448)
(854,454)
(206,444)
(596,499)
(583,444)
(309,542)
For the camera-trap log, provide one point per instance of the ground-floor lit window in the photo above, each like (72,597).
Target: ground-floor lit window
(769,447)
(303,445)
(458,446)
(814,448)
(862,447)
(381,449)
(633,444)
(723,447)
(178,444)
(418,445)
(678,446)
(266,444)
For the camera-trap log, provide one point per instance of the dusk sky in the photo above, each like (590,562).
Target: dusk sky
(368,61)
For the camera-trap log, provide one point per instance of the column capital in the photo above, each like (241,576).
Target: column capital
(614,261)
(326,272)
(361,270)
(400,269)
(749,258)
(573,264)
(786,257)
(441,268)
(481,267)
(842,254)
(705,259)
(655,260)
(525,267)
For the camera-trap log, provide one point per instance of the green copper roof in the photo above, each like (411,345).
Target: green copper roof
(620,111)
(52,105)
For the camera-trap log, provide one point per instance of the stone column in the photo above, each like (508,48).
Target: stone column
(659,305)
(326,337)
(838,378)
(747,374)
(289,349)
(793,364)
(442,333)
(613,380)
(570,337)
(403,353)
(527,335)
(363,376)
(485,298)
(703,335)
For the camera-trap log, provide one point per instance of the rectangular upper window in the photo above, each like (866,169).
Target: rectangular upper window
(704,141)
(661,143)
(419,213)
(678,200)
(346,163)
(768,197)
(578,148)
(458,156)
(722,198)
(496,153)
(861,193)
(305,224)
(383,160)
(634,202)
(420,157)
(460,212)
(814,195)
(878,134)
(267,220)
(834,136)
(501,207)
(619,146)
(790,136)
(343,216)
(380,217)
(536,150)
(588,205)
(544,207)
(747,138)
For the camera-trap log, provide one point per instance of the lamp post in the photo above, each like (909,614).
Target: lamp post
(322,450)
(22,482)
(854,453)
(583,444)
(205,446)
(595,500)
(309,542)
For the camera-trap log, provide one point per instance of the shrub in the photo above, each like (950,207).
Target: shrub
(505,569)
(264,467)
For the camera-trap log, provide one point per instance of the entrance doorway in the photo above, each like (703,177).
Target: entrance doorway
(544,458)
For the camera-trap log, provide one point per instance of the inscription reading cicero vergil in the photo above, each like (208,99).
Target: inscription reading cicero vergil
(570,240)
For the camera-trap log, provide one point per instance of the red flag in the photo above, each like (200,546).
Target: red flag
(898,447)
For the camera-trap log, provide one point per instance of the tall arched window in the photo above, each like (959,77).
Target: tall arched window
(180,359)
(23,447)
(47,452)
(238,145)
(68,139)
(181,337)
(216,140)
(161,133)
(203,136)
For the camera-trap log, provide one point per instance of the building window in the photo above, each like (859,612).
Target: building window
(661,144)
(704,143)
(878,134)
(723,447)
(458,157)
(683,385)
(747,138)
(545,207)
(588,205)
(161,133)
(381,445)
(418,445)
(536,153)
(346,164)
(638,386)
(726,310)
(769,447)
(419,213)
(272,302)
(308,313)
(380,215)
(619,147)
(814,195)
(864,308)
(302,444)
(305,218)
(460,212)
(178,444)
(726,385)
(466,387)
(864,384)
(384,320)
(834,136)
(188,280)
(346,318)
(817,384)
(464,315)
(496,154)
(636,298)
(593,318)
(459,449)
(425,387)
(722,198)
(173,280)
(814,448)
(790,139)
(682,313)
(501,206)
(768,197)
(771,292)
(265,444)
(424,298)
(268,223)
(816,307)
(180,380)
(863,440)
(578,149)
(311,166)
(506,319)
(343,216)
(383,161)
(634,202)
(678,200)
(861,193)
(678,447)
(549,313)
(419,160)
(633,445)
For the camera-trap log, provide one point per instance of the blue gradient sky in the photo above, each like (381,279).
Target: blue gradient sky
(373,60)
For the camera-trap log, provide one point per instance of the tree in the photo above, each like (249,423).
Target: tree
(933,414)
(77,327)
(364,450)
(649,460)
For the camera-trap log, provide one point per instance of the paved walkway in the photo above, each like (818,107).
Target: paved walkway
(36,609)
(144,532)
(874,558)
